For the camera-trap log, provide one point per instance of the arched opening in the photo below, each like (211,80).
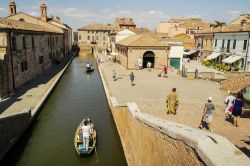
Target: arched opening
(22,20)
(148,56)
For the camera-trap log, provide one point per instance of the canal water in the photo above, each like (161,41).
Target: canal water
(49,141)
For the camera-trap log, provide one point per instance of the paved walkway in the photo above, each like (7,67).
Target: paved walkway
(150,93)
(31,94)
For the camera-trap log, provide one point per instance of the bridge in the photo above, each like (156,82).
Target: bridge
(236,83)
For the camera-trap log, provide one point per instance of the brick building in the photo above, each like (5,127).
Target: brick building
(28,46)
(141,49)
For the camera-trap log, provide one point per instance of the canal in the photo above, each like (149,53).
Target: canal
(49,141)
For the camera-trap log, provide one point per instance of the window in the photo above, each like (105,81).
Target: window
(104,38)
(24,43)
(48,41)
(50,56)
(24,65)
(245,45)
(223,42)
(228,45)
(96,38)
(93,38)
(234,44)
(33,42)
(14,43)
(80,37)
(215,45)
(88,37)
(40,59)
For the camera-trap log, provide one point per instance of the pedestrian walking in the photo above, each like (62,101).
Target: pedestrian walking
(114,75)
(196,72)
(238,105)
(172,102)
(132,78)
(229,103)
(165,69)
(207,115)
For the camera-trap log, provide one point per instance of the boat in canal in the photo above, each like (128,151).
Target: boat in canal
(89,68)
(78,141)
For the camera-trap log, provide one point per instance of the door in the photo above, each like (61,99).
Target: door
(175,62)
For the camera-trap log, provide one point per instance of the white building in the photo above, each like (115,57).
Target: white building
(115,37)
(231,46)
(176,56)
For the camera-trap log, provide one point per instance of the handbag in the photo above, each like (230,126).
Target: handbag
(232,107)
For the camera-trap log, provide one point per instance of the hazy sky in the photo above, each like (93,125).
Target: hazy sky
(146,13)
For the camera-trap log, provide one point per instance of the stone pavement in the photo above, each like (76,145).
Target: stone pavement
(150,93)
(33,92)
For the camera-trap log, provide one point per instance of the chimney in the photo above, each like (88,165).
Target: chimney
(12,7)
(43,11)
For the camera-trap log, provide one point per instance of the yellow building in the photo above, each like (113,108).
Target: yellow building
(141,49)
(245,17)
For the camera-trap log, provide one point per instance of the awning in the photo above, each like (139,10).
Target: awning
(213,55)
(231,59)
(190,52)
(2,56)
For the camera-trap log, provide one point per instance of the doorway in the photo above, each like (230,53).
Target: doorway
(148,56)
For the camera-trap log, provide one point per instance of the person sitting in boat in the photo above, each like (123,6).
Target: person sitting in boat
(86,134)
(88,65)
(91,126)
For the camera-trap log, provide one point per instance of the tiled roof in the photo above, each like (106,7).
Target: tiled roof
(141,41)
(190,23)
(228,28)
(124,21)
(13,24)
(100,27)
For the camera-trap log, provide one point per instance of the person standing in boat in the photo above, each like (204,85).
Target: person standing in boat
(91,126)
(86,134)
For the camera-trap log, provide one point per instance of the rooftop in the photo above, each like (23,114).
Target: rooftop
(229,28)
(141,41)
(13,24)
(98,27)
(124,21)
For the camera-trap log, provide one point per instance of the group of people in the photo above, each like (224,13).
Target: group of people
(234,108)
(87,132)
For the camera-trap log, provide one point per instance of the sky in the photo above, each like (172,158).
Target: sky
(146,13)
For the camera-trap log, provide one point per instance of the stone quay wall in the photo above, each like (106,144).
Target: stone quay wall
(11,128)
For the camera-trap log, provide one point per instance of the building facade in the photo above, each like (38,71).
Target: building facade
(95,35)
(231,46)
(138,50)
(125,23)
(53,23)
(188,26)
(26,50)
